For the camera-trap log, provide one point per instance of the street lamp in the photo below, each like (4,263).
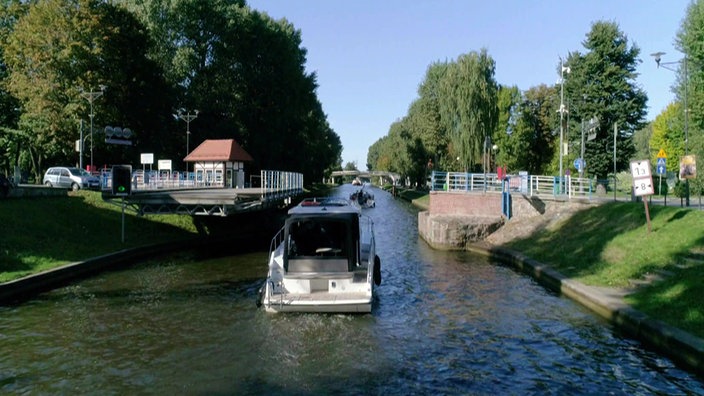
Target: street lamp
(92,96)
(666,65)
(563,69)
(188,117)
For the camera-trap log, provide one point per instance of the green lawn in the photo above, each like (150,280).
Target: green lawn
(43,233)
(610,245)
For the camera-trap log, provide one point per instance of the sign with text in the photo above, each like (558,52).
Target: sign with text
(164,165)
(642,178)
(146,158)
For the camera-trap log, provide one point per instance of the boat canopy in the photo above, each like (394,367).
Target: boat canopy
(330,236)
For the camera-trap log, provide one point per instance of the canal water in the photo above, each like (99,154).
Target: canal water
(444,323)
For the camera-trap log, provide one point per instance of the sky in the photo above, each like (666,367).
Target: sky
(371,55)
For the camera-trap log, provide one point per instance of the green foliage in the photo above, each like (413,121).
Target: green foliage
(691,65)
(668,135)
(242,70)
(468,105)
(602,85)
(533,142)
(609,245)
(74,228)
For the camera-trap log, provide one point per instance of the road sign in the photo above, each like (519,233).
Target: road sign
(579,164)
(661,154)
(642,179)
(640,168)
(661,169)
(643,186)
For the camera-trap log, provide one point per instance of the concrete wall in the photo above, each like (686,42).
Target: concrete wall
(455,220)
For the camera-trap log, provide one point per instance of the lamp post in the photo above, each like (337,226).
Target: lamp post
(562,112)
(91,96)
(188,117)
(666,65)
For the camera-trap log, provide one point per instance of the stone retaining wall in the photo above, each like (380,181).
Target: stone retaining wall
(456,219)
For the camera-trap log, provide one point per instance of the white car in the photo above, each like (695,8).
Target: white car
(70,177)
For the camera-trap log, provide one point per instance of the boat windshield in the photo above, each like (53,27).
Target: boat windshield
(318,237)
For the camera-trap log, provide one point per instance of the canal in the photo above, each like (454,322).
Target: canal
(444,323)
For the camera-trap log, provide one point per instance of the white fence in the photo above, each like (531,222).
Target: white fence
(532,185)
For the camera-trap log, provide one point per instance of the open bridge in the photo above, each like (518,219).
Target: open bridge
(277,189)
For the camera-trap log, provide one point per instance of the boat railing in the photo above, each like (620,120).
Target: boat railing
(276,241)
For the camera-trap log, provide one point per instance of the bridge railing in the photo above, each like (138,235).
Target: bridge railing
(532,185)
(280,184)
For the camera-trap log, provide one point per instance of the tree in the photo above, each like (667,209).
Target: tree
(245,72)
(468,105)
(533,142)
(602,85)
(689,42)
(509,100)
(59,48)
(668,135)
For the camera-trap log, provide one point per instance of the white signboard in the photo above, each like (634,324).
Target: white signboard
(642,178)
(164,165)
(640,168)
(146,158)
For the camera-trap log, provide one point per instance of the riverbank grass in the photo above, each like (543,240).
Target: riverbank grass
(44,233)
(609,245)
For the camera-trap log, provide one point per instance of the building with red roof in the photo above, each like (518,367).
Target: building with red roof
(219,162)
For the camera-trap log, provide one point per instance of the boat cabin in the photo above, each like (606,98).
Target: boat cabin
(315,243)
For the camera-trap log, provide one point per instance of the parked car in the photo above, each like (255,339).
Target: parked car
(70,177)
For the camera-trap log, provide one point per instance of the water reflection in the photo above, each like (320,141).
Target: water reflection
(443,323)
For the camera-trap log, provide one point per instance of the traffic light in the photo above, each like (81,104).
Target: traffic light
(121,180)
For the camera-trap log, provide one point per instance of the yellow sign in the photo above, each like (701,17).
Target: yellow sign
(661,154)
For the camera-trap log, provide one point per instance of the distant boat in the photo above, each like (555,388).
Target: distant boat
(356,182)
(363,198)
(322,260)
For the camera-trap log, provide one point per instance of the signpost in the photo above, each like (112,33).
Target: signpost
(642,183)
(661,169)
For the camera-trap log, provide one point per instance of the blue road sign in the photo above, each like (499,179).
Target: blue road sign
(661,161)
(661,169)
(579,164)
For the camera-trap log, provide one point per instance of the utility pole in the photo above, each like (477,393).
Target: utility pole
(562,111)
(188,117)
(91,96)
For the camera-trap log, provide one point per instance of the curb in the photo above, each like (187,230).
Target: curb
(680,346)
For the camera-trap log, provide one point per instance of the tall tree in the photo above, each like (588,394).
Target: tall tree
(534,140)
(602,85)
(60,48)
(691,81)
(668,135)
(509,100)
(467,105)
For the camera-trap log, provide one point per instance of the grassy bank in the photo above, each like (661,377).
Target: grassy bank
(610,245)
(43,233)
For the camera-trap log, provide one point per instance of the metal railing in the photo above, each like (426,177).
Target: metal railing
(279,184)
(532,185)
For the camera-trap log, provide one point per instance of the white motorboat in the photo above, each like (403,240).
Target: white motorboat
(363,198)
(322,260)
